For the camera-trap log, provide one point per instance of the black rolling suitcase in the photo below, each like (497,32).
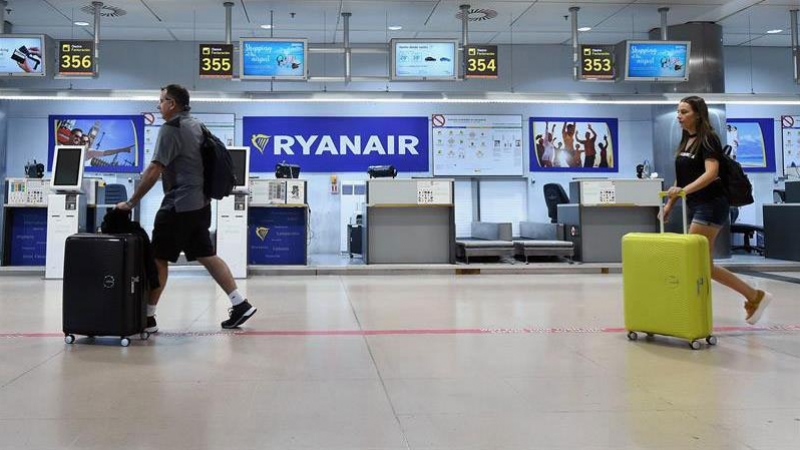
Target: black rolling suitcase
(104,287)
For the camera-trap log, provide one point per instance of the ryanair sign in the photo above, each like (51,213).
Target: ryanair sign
(337,144)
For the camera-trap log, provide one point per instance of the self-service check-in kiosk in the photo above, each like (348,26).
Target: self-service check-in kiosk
(66,205)
(232,216)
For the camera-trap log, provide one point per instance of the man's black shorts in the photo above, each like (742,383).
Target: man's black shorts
(187,232)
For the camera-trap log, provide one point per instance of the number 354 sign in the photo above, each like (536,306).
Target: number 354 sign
(216,60)
(480,61)
(76,58)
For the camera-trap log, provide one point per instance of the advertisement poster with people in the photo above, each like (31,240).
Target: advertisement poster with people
(752,143)
(559,144)
(114,143)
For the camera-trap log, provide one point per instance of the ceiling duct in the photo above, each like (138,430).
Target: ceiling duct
(347,51)
(228,20)
(105,10)
(663,12)
(464,25)
(476,14)
(3,6)
(573,11)
(795,49)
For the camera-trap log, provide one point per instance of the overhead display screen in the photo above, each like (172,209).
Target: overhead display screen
(422,60)
(22,55)
(657,60)
(273,59)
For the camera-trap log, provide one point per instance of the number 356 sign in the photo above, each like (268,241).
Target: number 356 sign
(76,58)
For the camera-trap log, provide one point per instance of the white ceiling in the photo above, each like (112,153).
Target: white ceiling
(744,22)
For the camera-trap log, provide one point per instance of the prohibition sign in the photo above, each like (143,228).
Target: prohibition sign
(438,120)
(787,121)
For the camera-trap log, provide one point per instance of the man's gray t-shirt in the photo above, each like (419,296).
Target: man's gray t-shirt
(178,150)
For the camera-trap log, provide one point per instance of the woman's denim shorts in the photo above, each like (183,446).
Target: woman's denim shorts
(714,213)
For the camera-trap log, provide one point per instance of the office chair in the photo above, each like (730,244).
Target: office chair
(778,196)
(115,193)
(554,195)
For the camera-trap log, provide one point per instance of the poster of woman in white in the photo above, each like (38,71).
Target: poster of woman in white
(573,144)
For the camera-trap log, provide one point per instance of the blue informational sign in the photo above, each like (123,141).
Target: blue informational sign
(337,144)
(115,143)
(265,58)
(752,143)
(22,55)
(28,234)
(276,236)
(650,60)
(420,59)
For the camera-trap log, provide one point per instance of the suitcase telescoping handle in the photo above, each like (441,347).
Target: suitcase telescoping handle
(662,195)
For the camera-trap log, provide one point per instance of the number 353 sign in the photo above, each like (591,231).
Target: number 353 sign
(597,62)
(216,60)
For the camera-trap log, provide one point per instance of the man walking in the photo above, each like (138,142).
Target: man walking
(182,222)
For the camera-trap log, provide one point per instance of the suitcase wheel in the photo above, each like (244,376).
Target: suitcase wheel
(144,335)
(69,338)
(695,345)
(124,342)
(712,340)
(632,335)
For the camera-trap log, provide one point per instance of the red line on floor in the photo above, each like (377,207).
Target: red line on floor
(421,331)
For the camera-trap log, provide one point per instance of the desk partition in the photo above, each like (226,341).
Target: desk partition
(604,210)
(410,222)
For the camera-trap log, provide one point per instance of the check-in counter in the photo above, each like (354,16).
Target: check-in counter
(781,239)
(604,210)
(277,222)
(410,221)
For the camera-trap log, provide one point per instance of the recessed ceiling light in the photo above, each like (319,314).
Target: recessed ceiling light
(81,24)
(395,27)
(775,31)
(584,28)
(266,26)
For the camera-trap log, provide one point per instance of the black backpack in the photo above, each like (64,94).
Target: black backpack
(738,188)
(219,177)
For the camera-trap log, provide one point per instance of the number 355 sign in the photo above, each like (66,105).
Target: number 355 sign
(216,60)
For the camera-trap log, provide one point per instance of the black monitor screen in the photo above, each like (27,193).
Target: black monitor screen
(239,166)
(68,167)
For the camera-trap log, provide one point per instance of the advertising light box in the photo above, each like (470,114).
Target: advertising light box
(273,59)
(424,60)
(23,55)
(657,60)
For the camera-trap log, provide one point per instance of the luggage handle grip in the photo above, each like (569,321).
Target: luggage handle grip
(661,196)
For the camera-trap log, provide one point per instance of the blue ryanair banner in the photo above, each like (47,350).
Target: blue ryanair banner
(337,144)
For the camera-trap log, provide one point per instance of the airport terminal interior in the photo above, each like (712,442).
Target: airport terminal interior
(434,210)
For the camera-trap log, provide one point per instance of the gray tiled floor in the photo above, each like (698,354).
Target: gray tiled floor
(398,362)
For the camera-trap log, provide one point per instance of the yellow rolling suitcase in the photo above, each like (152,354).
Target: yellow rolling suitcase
(667,285)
